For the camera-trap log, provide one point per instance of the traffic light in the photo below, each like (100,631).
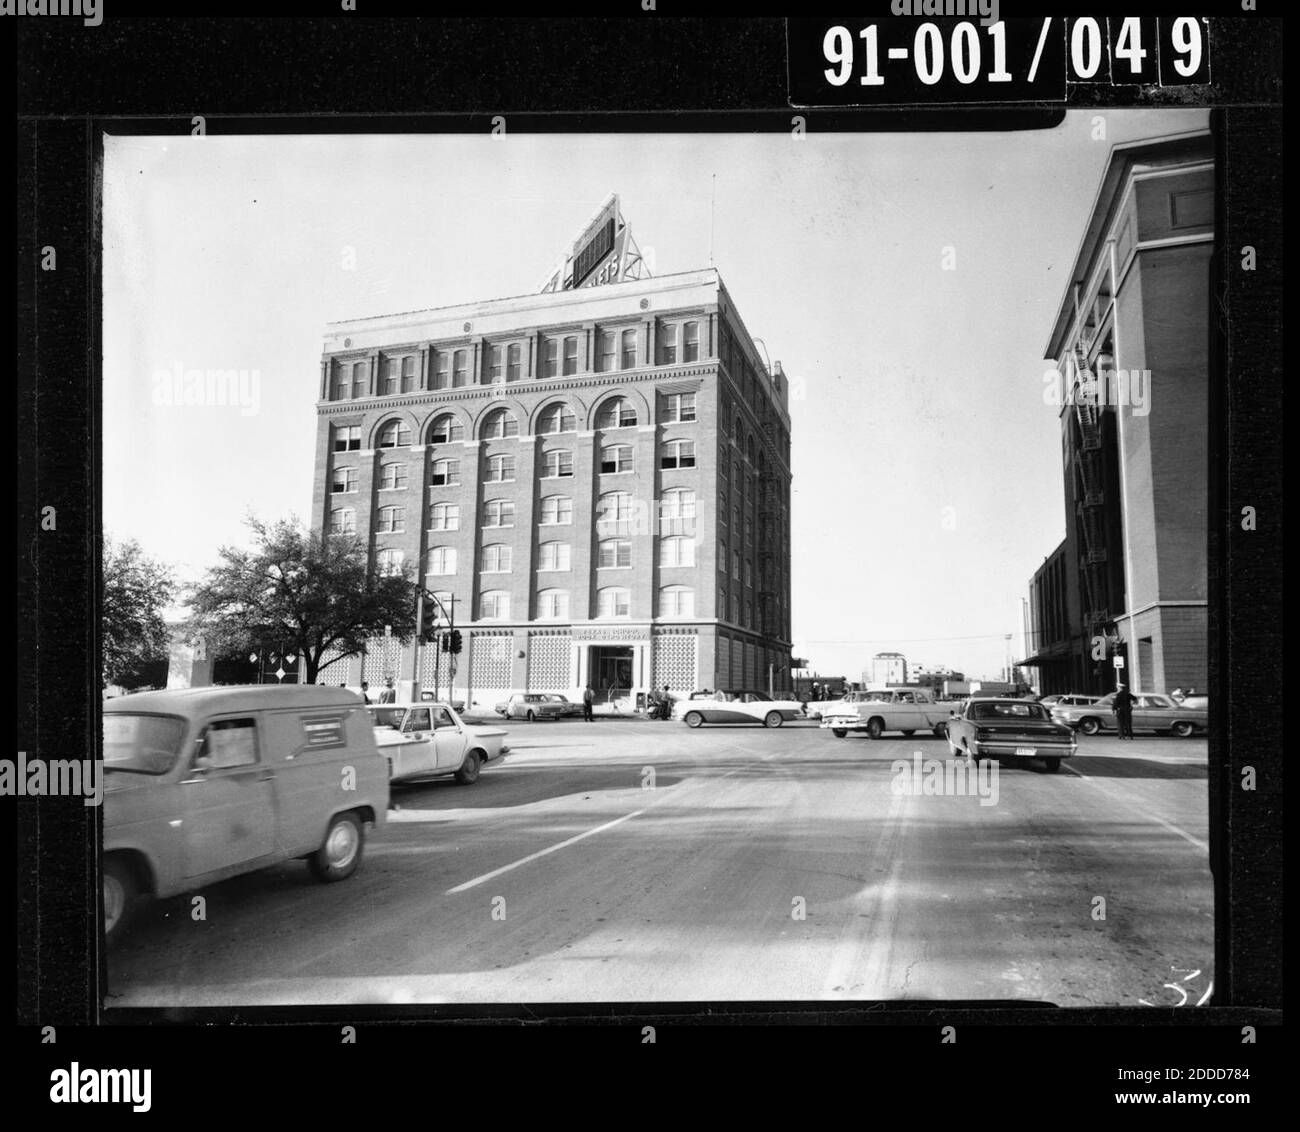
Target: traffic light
(453,643)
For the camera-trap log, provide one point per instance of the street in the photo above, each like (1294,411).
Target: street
(639,862)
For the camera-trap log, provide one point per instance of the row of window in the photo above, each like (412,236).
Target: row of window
(611,554)
(612,603)
(611,507)
(616,412)
(615,459)
(503,362)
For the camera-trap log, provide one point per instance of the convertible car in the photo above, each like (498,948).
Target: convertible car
(736,707)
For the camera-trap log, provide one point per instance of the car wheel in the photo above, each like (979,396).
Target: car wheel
(1182,729)
(694,719)
(1053,764)
(530,716)
(773,719)
(875,727)
(468,773)
(121,898)
(941,731)
(839,732)
(340,853)
(1090,726)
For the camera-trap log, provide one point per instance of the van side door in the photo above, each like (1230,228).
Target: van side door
(228,798)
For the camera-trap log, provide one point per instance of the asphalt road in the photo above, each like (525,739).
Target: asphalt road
(645,862)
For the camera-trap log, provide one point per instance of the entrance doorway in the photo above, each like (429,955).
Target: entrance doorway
(611,672)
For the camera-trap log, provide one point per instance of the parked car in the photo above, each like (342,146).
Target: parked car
(202,784)
(1070,699)
(538,705)
(740,706)
(1004,728)
(817,709)
(1150,713)
(908,710)
(430,740)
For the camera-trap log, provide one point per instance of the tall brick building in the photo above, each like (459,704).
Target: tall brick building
(598,476)
(1133,326)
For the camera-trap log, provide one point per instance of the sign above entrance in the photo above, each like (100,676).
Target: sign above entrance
(604,252)
(610,635)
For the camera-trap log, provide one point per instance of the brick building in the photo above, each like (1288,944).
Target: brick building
(598,476)
(1131,343)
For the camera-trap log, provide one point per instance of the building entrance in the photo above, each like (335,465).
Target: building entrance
(611,672)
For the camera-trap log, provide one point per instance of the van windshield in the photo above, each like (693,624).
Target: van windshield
(142,744)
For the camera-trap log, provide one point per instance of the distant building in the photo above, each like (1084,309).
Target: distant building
(886,668)
(596,478)
(1131,343)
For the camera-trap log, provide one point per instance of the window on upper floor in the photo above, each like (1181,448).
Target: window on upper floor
(360,378)
(678,454)
(344,480)
(459,368)
(557,463)
(444,516)
(388,562)
(556,418)
(556,510)
(615,459)
(617,412)
(499,513)
(614,554)
(392,477)
(500,469)
(445,473)
(676,550)
(446,429)
(395,434)
(500,423)
(677,408)
(347,439)
(627,352)
(494,605)
(613,602)
(552,605)
(343,521)
(391,520)
(676,601)
(441,560)
(497,559)
(614,507)
(554,556)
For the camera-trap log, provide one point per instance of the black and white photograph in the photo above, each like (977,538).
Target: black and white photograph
(658,568)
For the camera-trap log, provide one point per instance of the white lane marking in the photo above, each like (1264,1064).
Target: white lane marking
(542,853)
(1204,846)
(579,837)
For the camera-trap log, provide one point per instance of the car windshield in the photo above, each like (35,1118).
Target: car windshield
(387,717)
(554,698)
(142,744)
(1011,709)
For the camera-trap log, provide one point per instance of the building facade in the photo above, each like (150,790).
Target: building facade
(595,481)
(1131,344)
(887,669)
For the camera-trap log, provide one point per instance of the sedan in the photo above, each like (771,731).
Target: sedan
(737,707)
(538,705)
(429,740)
(1162,714)
(1001,728)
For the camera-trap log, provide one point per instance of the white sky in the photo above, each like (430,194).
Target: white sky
(922,388)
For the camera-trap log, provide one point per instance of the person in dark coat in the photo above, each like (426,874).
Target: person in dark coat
(1123,709)
(587,697)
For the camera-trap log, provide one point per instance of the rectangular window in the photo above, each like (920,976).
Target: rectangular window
(444,517)
(494,605)
(551,357)
(557,509)
(553,605)
(446,473)
(392,477)
(614,554)
(347,439)
(606,351)
(228,743)
(345,480)
(460,368)
(497,560)
(570,356)
(668,345)
(500,469)
(442,560)
(499,513)
(390,375)
(691,345)
(442,370)
(496,365)
(392,520)
(408,375)
(616,459)
(514,356)
(628,355)
(554,556)
(557,464)
(677,408)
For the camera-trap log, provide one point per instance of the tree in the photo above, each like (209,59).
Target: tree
(308,593)
(136,591)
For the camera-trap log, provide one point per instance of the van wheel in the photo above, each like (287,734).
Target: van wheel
(1182,729)
(773,719)
(839,732)
(468,773)
(875,727)
(340,854)
(1090,726)
(121,898)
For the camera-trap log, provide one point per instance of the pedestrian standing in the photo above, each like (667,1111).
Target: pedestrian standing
(365,691)
(1123,708)
(389,694)
(587,697)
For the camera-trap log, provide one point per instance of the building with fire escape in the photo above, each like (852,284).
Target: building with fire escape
(1131,344)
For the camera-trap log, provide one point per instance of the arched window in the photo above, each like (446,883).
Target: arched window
(500,469)
(391,521)
(343,521)
(614,507)
(557,418)
(494,605)
(678,454)
(445,429)
(556,510)
(617,412)
(557,463)
(676,550)
(499,513)
(444,516)
(497,559)
(678,503)
(395,434)
(445,473)
(389,562)
(441,560)
(554,556)
(552,605)
(392,477)
(676,601)
(613,601)
(614,554)
(500,423)
(615,459)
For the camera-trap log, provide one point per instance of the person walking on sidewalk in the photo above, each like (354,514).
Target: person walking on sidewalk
(587,697)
